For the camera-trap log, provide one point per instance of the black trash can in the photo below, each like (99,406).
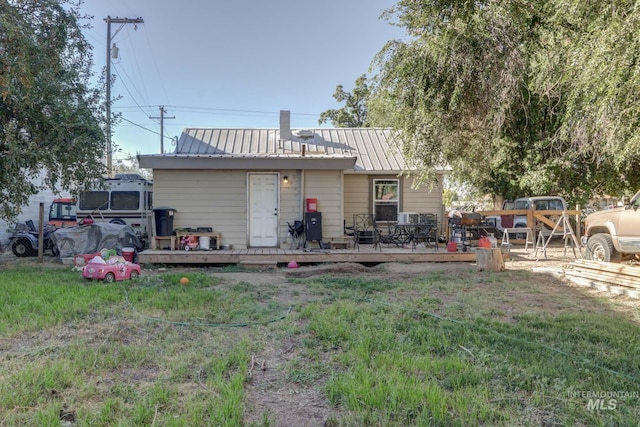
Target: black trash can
(164,221)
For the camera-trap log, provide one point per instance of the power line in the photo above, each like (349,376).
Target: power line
(128,91)
(147,129)
(187,109)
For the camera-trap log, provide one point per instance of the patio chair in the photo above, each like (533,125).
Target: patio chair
(427,230)
(365,231)
(296,231)
(395,235)
(349,230)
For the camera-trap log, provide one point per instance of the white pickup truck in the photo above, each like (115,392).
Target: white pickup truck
(613,235)
(539,203)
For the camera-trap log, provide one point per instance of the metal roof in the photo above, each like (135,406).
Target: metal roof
(375,149)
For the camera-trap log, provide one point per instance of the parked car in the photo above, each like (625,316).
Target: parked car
(99,269)
(613,235)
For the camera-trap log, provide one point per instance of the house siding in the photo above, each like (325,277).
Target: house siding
(205,198)
(326,187)
(356,196)
(290,203)
(424,200)
(218,199)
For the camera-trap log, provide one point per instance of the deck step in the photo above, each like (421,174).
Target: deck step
(258,264)
(339,244)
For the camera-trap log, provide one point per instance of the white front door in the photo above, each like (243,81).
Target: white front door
(263,210)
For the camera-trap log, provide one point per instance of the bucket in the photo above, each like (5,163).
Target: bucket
(484,242)
(128,253)
(312,205)
(205,242)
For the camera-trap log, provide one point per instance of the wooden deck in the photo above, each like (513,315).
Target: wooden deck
(272,256)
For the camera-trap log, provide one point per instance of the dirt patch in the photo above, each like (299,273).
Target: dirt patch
(272,394)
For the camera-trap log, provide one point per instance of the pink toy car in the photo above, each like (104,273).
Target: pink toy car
(110,272)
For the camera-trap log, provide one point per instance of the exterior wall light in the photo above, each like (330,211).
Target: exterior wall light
(285,179)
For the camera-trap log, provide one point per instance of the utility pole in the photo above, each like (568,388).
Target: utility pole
(121,21)
(162,117)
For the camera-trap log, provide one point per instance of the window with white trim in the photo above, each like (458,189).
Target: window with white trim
(386,200)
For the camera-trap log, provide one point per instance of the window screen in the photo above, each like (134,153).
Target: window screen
(125,200)
(92,200)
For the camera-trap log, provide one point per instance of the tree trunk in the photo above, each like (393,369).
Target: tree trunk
(489,259)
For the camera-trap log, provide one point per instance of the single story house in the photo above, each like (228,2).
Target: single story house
(248,184)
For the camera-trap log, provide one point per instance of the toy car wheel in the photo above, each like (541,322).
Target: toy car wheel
(109,278)
(21,248)
(134,275)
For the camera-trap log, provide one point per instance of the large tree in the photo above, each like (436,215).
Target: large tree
(519,97)
(50,116)
(354,112)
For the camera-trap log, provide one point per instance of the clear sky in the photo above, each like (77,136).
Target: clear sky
(232,63)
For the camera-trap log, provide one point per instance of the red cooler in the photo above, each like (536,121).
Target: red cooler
(128,254)
(312,205)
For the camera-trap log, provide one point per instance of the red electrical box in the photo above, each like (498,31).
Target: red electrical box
(312,205)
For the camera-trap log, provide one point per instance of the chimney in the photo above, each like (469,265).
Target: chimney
(285,124)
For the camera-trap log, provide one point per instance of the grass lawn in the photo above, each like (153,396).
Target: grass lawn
(446,346)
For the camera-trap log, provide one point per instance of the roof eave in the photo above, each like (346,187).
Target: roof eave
(229,162)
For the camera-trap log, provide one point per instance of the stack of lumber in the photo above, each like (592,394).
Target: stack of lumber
(618,279)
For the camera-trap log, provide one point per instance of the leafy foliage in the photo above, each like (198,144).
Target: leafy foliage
(50,117)
(519,97)
(354,112)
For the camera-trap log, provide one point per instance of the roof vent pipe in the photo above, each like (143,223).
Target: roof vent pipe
(304,148)
(285,124)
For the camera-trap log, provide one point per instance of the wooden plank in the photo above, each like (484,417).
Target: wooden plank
(604,278)
(605,287)
(366,255)
(629,270)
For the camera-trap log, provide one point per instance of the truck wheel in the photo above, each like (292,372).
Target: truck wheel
(600,248)
(118,221)
(21,248)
